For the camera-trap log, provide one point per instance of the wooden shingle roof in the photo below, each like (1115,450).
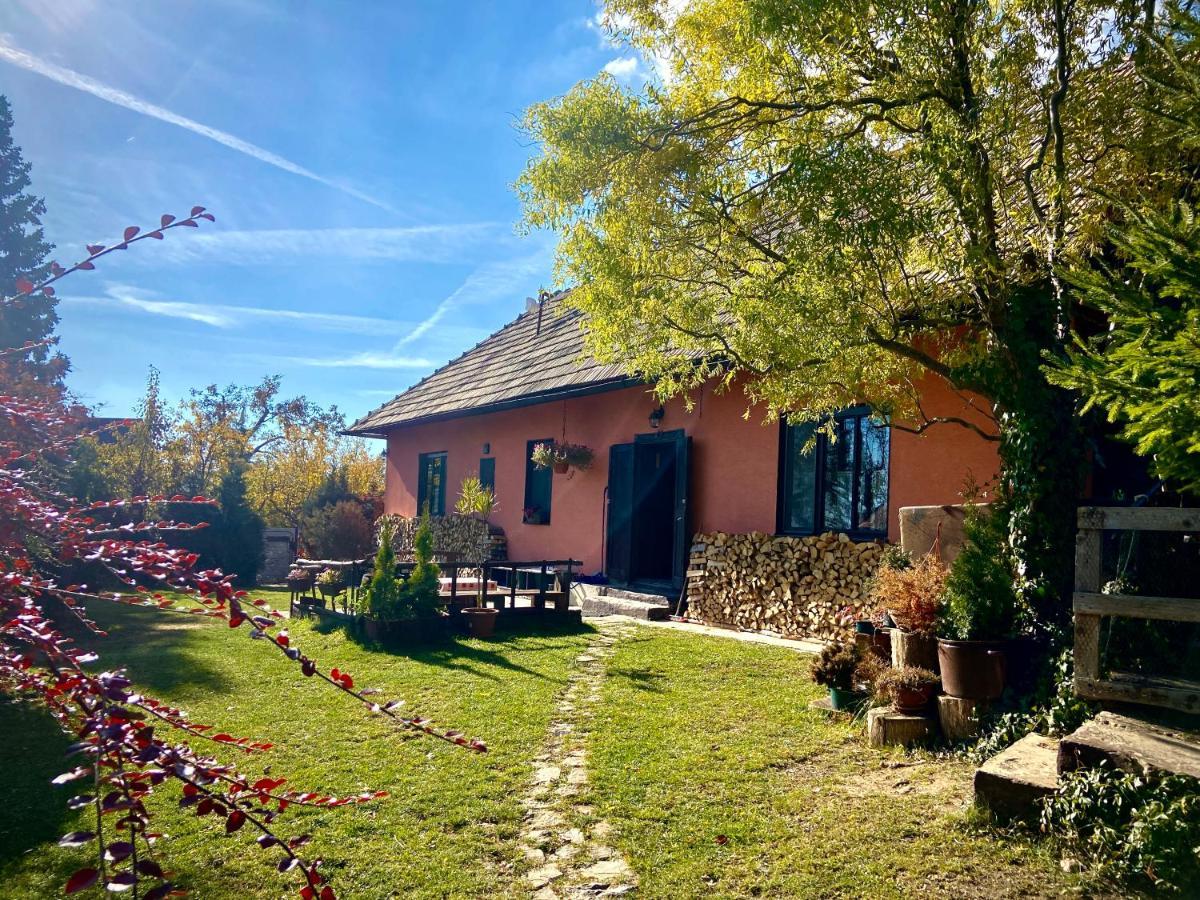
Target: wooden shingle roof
(537,357)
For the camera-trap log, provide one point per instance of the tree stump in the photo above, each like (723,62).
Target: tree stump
(959,716)
(910,649)
(886,727)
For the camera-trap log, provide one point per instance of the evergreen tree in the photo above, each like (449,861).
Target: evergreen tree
(239,529)
(23,254)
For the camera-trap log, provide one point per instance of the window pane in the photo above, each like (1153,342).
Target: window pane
(431,484)
(838,489)
(538,483)
(800,493)
(873,476)
(487,473)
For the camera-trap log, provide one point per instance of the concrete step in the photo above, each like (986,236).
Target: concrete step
(1130,744)
(1011,783)
(618,606)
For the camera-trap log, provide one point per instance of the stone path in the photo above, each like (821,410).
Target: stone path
(564,841)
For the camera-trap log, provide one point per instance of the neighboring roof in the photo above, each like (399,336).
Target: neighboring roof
(538,357)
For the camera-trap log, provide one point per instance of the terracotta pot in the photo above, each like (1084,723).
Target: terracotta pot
(913,700)
(562,468)
(974,670)
(481,620)
(911,649)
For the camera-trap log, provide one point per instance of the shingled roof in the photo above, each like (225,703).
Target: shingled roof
(537,357)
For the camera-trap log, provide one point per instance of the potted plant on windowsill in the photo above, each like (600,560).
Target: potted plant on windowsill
(981,611)
(910,688)
(478,501)
(835,669)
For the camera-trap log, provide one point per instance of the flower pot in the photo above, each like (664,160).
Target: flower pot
(562,468)
(974,670)
(844,698)
(913,700)
(481,620)
(328,591)
(912,649)
(864,626)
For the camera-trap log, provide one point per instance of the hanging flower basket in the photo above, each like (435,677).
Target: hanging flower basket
(562,457)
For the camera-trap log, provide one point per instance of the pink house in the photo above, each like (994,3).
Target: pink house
(661,472)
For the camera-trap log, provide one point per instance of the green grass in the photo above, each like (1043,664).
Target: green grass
(720,782)
(717,778)
(449,827)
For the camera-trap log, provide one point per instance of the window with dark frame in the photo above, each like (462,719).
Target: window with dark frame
(538,482)
(431,483)
(840,484)
(487,473)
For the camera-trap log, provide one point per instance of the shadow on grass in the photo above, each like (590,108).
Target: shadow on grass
(34,810)
(642,679)
(453,651)
(157,647)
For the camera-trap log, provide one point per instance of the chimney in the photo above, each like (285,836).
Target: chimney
(530,304)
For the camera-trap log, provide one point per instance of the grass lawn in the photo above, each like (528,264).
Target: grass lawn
(717,779)
(719,782)
(449,827)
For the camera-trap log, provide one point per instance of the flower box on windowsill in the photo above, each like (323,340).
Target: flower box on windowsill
(534,516)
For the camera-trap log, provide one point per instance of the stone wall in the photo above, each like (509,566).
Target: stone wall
(451,535)
(793,586)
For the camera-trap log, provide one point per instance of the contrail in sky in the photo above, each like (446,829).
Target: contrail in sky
(113,95)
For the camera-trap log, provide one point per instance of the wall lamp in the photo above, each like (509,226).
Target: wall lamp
(656,417)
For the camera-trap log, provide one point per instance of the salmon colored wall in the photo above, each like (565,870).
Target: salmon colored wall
(735,464)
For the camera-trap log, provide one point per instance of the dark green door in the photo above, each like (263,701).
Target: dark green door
(619,525)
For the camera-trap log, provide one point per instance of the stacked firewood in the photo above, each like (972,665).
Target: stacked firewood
(794,586)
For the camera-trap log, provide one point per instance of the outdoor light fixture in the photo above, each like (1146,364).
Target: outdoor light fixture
(487,449)
(656,417)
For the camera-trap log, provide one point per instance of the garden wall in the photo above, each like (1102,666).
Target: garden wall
(451,534)
(793,586)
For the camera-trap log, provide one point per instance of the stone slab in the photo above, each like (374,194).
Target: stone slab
(919,526)
(886,727)
(620,606)
(1011,783)
(1130,744)
(825,705)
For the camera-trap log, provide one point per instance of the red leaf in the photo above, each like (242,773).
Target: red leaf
(166,220)
(47,292)
(307,893)
(157,235)
(24,285)
(236,820)
(327,893)
(117,851)
(93,249)
(80,881)
(196,210)
(131,232)
(282,639)
(87,265)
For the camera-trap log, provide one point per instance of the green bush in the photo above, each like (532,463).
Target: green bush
(389,597)
(980,603)
(383,593)
(1130,827)
(420,594)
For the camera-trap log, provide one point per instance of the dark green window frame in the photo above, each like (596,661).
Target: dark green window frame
(838,485)
(431,483)
(539,484)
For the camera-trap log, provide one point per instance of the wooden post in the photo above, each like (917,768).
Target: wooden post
(483,584)
(541,597)
(454,581)
(1088,572)
(512,586)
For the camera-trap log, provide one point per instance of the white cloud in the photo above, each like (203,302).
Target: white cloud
(117,97)
(422,243)
(623,68)
(368,360)
(225,316)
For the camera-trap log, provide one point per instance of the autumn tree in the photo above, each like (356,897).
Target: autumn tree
(828,203)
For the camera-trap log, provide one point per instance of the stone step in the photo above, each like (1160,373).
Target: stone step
(1130,744)
(1011,783)
(599,605)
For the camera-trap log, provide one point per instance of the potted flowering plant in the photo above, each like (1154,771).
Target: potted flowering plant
(911,594)
(299,580)
(910,688)
(330,583)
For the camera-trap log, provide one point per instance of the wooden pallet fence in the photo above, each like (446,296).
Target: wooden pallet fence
(1091,605)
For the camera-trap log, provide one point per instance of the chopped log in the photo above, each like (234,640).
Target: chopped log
(886,727)
(910,649)
(959,717)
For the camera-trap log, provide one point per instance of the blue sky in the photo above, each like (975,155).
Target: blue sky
(358,157)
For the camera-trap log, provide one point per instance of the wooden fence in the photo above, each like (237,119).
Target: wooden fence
(1091,605)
